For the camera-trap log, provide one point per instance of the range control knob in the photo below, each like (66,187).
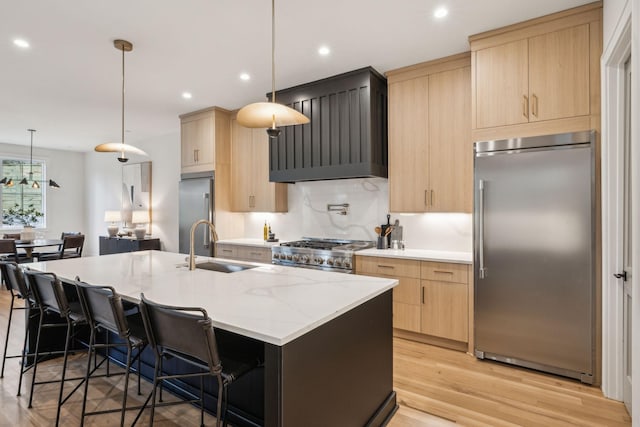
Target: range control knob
(304,259)
(288,257)
(329,261)
(338,262)
(347,263)
(296,258)
(275,256)
(319,260)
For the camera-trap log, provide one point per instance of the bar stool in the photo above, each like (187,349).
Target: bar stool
(179,332)
(50,297)
(16,284)
(104,310)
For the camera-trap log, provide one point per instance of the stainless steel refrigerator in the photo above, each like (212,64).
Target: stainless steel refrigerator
(196,203)
(534,253)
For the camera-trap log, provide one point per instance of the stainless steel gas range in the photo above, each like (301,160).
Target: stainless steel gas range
(319,254)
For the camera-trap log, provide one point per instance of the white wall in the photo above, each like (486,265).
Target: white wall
(104,190)
(65,206)
(368,206)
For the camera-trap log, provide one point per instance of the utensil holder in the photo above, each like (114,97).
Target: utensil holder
(383,242)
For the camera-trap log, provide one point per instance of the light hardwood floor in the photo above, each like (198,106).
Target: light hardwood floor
(435,386)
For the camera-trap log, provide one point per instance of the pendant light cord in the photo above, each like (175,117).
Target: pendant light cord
(273,51)
(122,138)
(31,155)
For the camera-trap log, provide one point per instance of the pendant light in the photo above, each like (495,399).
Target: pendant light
(270,114)
(121,147)
(34,183)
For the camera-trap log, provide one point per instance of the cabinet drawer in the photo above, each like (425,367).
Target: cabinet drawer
(406,316)
(407,291)
(388,267)
(445,272)
(226,251)
(254,254)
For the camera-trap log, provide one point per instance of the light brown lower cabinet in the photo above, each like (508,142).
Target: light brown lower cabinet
(244,252)
(431,299)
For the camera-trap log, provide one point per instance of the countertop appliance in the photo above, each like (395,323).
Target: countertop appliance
(319,254)
(534,253)
(196,198)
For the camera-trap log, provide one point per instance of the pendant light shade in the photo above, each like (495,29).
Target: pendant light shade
(270,114)
(121,147)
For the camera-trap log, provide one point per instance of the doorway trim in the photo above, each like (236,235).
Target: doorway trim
(612,157)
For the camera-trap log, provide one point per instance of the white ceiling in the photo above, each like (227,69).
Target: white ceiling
(67,85)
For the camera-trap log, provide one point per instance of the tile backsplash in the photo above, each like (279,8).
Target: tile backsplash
(368,200)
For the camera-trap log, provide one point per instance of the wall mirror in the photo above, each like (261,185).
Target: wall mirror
(136,191)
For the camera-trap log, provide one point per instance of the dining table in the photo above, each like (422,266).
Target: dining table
(29,245)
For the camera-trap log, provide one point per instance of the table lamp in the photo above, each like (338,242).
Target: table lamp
(112,217)
(140,219)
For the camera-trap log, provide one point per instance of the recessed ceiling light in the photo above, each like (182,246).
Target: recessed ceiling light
(245,77)
(187,95)
(440,12)
(21,43)
(324,50)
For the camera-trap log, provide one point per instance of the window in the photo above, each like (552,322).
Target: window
(22,204)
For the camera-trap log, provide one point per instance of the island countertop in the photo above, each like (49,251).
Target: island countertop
(271,303)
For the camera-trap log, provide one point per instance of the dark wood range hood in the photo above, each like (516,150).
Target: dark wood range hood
(347,135)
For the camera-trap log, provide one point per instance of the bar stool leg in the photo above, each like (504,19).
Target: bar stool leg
(64,371)
(35,358)
(126,383)
(6,340)
(86,377)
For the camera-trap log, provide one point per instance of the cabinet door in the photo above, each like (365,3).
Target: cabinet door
(445,310)
(263,190)
(241,168)
(197,143)
(408,145)
(450,144)
(559,74)
(502,87)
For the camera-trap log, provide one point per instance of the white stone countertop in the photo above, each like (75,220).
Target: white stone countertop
(249,242)
(420,255)
(271,303)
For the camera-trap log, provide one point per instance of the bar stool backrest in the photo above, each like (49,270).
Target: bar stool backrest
(102,306)
(15,278)
(180,331)
(48,292)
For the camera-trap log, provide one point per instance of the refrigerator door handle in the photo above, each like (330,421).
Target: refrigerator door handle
(482,271)
(207,231)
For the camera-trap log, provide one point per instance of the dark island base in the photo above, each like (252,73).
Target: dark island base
(338,374)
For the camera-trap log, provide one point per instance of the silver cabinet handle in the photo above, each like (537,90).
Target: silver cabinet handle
(385,266)
(525,106)
(482,271)
(426,203)
(442,272)
(422,296)
(207,231)
(534,105)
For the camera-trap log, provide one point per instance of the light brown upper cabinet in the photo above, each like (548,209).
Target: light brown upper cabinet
(538,77)
(430,147)
(198,132)
(251,190)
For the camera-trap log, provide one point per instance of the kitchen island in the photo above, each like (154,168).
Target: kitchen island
(326,337)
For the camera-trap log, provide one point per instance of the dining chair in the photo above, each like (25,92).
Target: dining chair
(71,248)
(187,334)
(50,298)
(9,252)
(104,310)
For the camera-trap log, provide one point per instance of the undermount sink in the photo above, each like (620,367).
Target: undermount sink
(224,267)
